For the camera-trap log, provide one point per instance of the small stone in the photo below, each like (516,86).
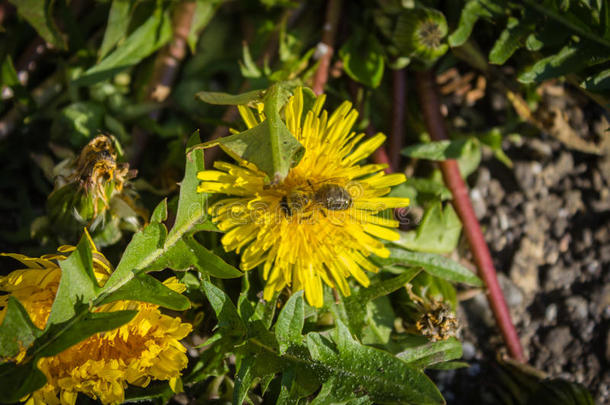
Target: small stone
(574,204)
(593,267)
(502,218)
(483,178)
(474,370)
(468,350)
(514,199)
(540,150)
(577,307)
(557,340)
(524,270)
(496,193)
(550,314)
(526,174)
(512,293)
(480,208)
(559,226)
(564,243)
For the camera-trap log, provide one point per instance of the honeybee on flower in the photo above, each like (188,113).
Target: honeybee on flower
(319,224)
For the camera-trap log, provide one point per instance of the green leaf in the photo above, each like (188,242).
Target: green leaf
(160,213)
(248,67)
(269,145)
(379,322)
(146,288)
(585,29)
(184,251)
(187,253)
(493,139)
(118,23)
(438,151)
(357,369)
(39,13)
(9,76)
(249,97)
(192,205)
(470,158)
(145,248)
(363,59)
(571,58)
(80,120)
(436,265)
(332,393)
(560,392)
(435,288)
(77,285)
(512,38)
(146,39)
(204,11)
(243,380)
(429,186)
(154,249)
(438,231)
(472,11)
(17,330)
(449,365)
(61,336)
(423,356)
(229,321)
(290,322)
(599,81)
(16,381)
(355,304)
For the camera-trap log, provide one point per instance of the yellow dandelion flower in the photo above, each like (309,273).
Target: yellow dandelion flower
(320,224)
(146,348)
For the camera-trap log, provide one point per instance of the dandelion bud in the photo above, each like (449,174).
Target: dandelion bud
(420,33)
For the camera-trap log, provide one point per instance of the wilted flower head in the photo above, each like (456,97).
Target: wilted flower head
(96,167)
(434,318)
(146,348)
(321,222)
(91,190)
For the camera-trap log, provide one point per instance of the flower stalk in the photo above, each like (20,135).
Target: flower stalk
(429,99)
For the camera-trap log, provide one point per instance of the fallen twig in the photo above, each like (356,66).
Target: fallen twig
(435,123)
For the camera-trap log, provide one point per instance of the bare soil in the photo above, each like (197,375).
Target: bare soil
(547,223)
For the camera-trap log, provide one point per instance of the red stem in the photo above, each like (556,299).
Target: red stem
(430,102)
(325,47)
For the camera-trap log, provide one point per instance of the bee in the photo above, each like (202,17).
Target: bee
(330,196)
(333,197)
(295,201)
